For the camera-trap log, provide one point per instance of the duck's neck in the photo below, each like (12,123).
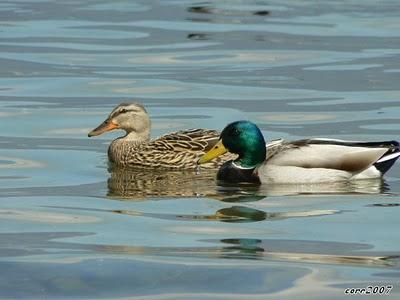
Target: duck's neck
(230,172)
(243,168)
(120,148)
(137,137)
(252,157)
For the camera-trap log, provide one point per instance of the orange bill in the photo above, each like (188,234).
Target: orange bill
(216,151)
(107,125)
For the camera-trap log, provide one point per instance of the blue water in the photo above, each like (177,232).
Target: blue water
(70,229)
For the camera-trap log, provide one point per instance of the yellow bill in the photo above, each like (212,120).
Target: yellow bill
(216,151)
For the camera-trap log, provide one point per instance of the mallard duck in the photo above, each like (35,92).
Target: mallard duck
(303,161)
(177,150)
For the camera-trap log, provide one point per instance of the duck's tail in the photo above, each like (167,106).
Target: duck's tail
(387,160)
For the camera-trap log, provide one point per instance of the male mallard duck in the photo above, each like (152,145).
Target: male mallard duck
(303,161)
(177,150)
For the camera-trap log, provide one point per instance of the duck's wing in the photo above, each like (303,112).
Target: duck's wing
(348,156)
(190,140)
(182,149)
(274,147)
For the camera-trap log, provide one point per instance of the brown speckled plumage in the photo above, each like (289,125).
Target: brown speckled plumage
(177,150)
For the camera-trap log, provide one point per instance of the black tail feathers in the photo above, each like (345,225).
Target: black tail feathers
(389,158)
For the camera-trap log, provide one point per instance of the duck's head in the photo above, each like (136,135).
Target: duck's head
(131,117)
(243,138)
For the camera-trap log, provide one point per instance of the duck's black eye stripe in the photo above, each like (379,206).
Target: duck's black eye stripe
(122,111)
(125,110)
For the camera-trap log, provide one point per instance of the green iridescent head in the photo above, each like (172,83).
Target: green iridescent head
(243,138)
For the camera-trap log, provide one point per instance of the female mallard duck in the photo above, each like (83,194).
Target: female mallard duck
(178,150)
(302,161)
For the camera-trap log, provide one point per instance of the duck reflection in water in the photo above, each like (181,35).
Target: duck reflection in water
(234,214)
(139,184)
(304,251)
(129,183)
(321,252)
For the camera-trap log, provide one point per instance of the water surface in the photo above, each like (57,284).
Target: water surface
(70,228)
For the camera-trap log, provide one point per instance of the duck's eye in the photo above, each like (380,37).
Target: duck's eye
(122,111)
(235,132)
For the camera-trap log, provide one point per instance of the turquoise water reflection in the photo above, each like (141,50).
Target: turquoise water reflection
(72,228)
